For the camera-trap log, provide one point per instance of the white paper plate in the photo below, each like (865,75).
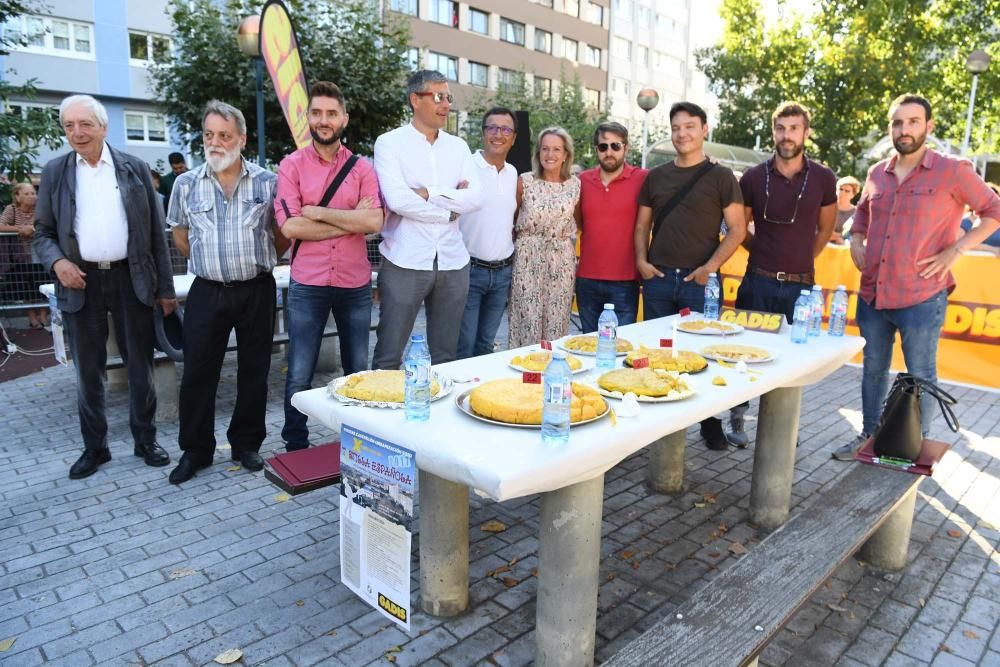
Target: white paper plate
(522,369)
(647,399)
(462,401)
(446,386)
(710,331)
(581,353)
(730,360)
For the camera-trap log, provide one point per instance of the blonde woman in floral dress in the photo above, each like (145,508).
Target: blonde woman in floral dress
(548,199)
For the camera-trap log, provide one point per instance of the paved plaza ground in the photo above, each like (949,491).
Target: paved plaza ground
(124,569)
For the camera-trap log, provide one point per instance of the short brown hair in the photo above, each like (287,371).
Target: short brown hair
(327,89)
(789,109)
(910,98)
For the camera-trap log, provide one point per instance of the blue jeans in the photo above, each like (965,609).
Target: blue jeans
(666,296)
(309,308)
(591,295)
(489,290)
(769,295)
(919,327)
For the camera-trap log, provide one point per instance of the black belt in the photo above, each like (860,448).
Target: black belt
(238,283)
(785,277)
(103,266)
(499,264)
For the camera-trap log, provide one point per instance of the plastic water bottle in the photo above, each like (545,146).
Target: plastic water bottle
(838,312)
(712,291)
(816,317)
(607,337)
(417,369)
(802,313)
(557,392)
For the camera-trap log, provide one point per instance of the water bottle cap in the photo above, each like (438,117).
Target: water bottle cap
(713,274)
(817,287)
(558,354)
(842,287)
(804,292)
(609,306)
(417,338)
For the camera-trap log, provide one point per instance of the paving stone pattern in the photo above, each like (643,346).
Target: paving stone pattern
(124,569)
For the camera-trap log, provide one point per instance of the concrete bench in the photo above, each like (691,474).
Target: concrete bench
(731,620)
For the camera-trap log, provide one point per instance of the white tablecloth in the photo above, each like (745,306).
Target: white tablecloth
(504,462)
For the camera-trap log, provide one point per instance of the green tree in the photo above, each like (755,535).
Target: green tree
(566,108)
(23,130)
(345,42)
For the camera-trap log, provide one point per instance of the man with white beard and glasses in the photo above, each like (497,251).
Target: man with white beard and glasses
(222,217)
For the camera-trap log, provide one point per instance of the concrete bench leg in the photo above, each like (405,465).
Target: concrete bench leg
(117,377)
(569,553)
(444,546)
(327,361)
(666,463)
(886,548)
(167,390)
(774,456)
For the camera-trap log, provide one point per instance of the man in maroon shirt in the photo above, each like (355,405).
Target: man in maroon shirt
(608,206)
(904,242)
(792,202)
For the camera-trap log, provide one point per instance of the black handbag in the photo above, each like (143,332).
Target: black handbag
(898,433)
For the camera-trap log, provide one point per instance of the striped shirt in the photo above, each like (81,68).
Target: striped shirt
(230,240)
(908,221)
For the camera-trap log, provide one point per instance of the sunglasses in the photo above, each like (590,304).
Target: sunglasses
(767,196)
(437,97)
(498,129)
(614,145)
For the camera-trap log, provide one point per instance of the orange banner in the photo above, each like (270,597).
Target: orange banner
(969,349)
(280,50)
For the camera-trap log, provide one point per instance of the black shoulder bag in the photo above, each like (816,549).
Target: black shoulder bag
(898,433)
(678,197)
(338,180)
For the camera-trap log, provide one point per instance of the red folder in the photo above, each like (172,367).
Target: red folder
(306,469)
(931,452)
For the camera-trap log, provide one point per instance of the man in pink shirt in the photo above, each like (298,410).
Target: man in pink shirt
(904,239)
(327,200)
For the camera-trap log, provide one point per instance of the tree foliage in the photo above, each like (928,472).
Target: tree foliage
(344,42)
(565,108)
(847,61)
(23,131)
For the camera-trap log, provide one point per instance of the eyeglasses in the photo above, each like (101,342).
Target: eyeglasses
(614,145)
(767,194)
(437,97)
(498,129)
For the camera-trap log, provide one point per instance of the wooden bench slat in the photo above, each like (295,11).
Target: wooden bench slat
(769,584)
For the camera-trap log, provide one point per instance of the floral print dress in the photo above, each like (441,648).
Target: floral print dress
(541,291)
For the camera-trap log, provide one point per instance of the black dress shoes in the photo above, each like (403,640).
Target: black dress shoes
(187,467)
(89,462)
(153,454)
(252,461)
(715,438)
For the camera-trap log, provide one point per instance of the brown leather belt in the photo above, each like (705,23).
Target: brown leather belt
(782,276)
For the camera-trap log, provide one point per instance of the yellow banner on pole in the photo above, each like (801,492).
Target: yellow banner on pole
(280,50)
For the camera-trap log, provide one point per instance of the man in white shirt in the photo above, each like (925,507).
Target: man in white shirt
(99,228)
(488,236)
(428,179)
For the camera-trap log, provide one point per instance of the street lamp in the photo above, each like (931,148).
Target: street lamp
(248,38)
(977,63)
(647,99)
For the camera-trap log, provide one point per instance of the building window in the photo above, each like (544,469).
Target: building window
(447,65)
(571,49)
(145,48)
(145,127)
(643,53)
(593,56)
(43,34)
(623,48)
(620,86)
(544,3)
(543,87)
(645,15)
(511,31)
(623,10)
(479,21)
(413,58)
(404,6)
(595,13)
(444,12)
(479,74)
(592,98)
(543,40)
(572,7)
(509,80)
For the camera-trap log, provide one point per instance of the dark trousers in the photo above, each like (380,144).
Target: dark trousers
(769,295)
(111,292)
(591,295)
(662,297)
(213,310)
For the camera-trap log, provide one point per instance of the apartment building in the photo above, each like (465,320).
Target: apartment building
(652,44)
(484,45)
(101,48)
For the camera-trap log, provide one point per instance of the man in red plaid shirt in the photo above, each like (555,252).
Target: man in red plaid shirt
(910,214)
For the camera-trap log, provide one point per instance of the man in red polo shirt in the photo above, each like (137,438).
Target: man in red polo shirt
(330,267)
(904,239)
(609,203)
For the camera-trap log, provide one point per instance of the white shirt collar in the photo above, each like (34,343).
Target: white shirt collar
(480,161)
(105,156)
